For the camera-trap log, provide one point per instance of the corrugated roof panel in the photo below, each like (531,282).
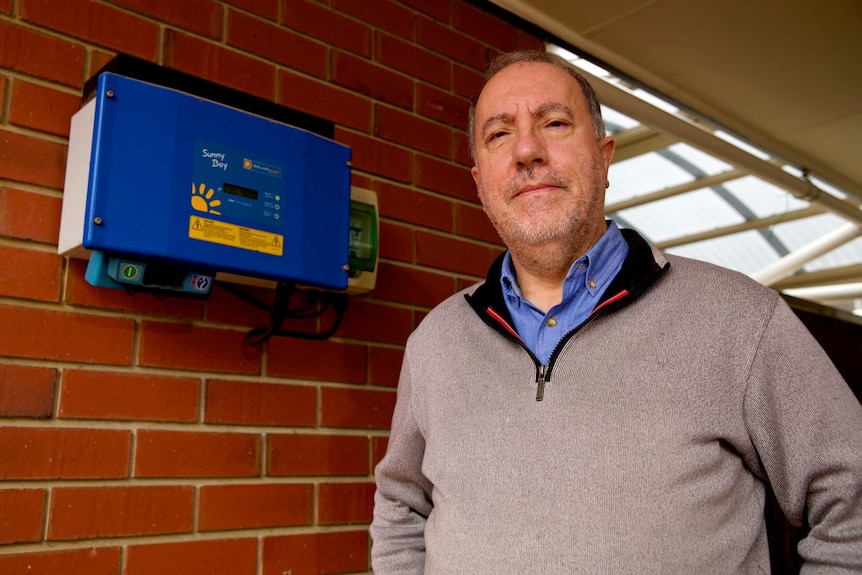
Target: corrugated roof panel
(681,215)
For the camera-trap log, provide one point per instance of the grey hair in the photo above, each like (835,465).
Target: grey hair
(525,56)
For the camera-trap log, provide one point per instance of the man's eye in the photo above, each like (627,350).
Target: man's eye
(557,124)
(495,135)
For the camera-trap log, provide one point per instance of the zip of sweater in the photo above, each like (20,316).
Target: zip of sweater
(543,372)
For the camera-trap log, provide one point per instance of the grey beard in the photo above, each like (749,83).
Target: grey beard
(533,173)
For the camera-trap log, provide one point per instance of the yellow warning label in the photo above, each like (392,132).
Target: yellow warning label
(208,230)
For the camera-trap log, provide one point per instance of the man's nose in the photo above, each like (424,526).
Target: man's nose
(529,149)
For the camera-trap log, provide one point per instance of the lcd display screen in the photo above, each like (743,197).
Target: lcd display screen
(240,191)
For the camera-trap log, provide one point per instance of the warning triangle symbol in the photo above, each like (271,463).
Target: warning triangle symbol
(275,242)
(197,225)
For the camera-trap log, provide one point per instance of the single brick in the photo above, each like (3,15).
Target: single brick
(445,177)
(196,454)
(26,391)
(115,395)
(453,254)
(304,455)
(329,26)
(371,80)
(201,16)
(224,306)
(254,506)
(185,346)
(451,43)
(471,222)
(442,106)
(317,360)
(412,286)
(210,557)
(324,100)
(30,274)
(468,83)
(257,403)
(21,513)
(87,561)
(99,512)
(41,55)
(415,207)
(31,160)
(433,8)
(98,23)
(378,157)
(356,408)
(397,242)
(413,60)
(413,131)
(276,44)
(217,63)
(266,8)
(385,365)
(41,108)
(345,503)
(480,24)
(382,14)
(60,335)
(29,215)
(311,554)
(60,453)
(376,322)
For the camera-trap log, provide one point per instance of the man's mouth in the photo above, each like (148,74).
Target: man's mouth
(537,187)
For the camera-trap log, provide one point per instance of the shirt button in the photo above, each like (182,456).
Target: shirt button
(552,322)
(591,284)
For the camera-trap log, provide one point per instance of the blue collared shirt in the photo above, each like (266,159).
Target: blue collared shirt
(583,287)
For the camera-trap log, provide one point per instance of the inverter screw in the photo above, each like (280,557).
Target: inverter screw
(109,93)
(97,221)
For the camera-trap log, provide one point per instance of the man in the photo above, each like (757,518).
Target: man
(596,406)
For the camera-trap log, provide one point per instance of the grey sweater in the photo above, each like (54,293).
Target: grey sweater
(661,420)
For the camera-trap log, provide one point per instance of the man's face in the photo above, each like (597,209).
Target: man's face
(540,173)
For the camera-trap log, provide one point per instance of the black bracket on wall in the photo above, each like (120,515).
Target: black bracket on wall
(145,71)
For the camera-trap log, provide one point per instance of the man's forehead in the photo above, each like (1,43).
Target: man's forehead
(533,84)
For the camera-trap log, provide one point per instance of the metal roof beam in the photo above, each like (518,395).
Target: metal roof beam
(697,184)
(795,260)
(639,140)
(676,127)
(845,274)
(757,224)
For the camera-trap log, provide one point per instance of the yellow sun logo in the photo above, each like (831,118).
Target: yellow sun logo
(202,199)
(246,164)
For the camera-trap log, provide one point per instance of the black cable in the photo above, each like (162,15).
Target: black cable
(316,304)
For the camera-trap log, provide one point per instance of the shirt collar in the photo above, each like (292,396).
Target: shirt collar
(590,272)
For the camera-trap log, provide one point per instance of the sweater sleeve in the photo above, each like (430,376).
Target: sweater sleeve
(806,426)
(402,502)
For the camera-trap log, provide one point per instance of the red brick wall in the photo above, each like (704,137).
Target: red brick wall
(140,435)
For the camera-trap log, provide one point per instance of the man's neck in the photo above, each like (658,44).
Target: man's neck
(541,274)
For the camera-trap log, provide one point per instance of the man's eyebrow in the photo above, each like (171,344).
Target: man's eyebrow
(540,112)
(551,108)
(503,118)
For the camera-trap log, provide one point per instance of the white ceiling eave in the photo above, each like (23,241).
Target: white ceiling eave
(782,74)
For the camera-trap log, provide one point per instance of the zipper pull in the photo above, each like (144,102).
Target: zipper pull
(540,383)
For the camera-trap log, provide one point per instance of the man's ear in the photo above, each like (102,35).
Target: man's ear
(607,145)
